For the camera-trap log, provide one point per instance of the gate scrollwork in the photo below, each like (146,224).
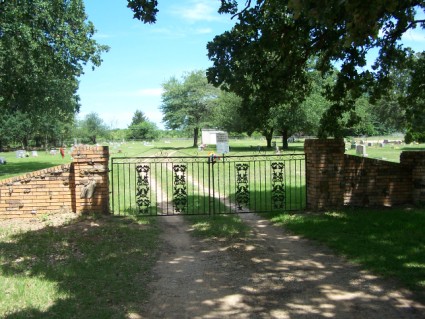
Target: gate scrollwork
(180,188)
(142,193)
(242,186)
(278,184)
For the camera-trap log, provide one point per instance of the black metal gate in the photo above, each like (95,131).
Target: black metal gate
(207,185)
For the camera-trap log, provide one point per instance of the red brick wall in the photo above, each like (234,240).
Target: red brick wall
(371,182)
(58,189)
(324,164)
(415,160)
(335,179)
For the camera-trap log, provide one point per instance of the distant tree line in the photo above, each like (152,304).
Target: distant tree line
(286,67)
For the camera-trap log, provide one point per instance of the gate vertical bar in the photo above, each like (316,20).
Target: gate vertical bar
(112,186)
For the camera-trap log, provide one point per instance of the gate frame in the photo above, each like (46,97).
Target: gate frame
(212,197)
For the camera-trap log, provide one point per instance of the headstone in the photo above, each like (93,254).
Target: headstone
(361,150)
(353,146)
(381,144)
(20,154)
(2,160)
(222,141)
(34,154)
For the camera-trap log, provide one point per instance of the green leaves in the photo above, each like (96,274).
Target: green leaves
(144,10)
(44,46)
(188,103)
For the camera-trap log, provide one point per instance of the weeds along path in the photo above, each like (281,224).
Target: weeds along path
(271,274)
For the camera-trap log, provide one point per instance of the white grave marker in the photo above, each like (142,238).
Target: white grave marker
(222,141)
(361,150)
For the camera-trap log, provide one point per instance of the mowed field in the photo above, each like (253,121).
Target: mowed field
(183,147)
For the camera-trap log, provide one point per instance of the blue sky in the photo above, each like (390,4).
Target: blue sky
(142,57)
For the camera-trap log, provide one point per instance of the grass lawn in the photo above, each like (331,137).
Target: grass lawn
(16,166)
(389,153)
(95,268)
(389,242)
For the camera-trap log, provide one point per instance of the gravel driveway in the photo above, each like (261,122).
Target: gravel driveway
(271,274)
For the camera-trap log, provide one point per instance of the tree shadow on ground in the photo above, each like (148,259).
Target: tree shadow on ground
(100,268)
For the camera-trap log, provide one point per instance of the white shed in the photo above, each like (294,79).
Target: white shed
(209,136)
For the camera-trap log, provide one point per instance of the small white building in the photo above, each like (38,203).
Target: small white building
(209,136)
(218,138)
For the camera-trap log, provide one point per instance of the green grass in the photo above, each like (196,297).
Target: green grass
(389,242)
(389,152)
(95,268)
(218,226)
(17,166)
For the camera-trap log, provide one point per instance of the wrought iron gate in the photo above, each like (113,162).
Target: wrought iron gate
(207,185)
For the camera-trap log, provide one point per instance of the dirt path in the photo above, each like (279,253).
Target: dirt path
(270,275)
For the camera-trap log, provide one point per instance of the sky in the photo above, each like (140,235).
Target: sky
(142,57)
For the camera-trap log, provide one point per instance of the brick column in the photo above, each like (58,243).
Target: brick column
(91,179)
(324,168)
(415,160)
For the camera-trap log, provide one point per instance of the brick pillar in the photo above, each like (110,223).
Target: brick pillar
(324,168)
(415,160)
(91,179)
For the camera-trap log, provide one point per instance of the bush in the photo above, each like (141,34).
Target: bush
(414,137)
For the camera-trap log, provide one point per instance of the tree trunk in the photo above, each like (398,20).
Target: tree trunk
(38,141)
(268,134)
(195,136)
(25,143)
(284,133)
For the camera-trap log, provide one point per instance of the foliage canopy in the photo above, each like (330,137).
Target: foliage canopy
(265,54)
(44,45)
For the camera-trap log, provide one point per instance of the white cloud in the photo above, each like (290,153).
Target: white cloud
(155,116)
(150,92)
(203,31)
(199,10)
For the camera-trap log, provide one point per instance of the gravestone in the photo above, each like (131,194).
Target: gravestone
(20,154)
(361,150)
(222,143)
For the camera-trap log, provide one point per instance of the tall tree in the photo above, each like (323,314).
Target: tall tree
(228,113)
(188,103)
(44,45)
(138,118)
(273,39)
(145,130)
(415,100)
(92,127)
